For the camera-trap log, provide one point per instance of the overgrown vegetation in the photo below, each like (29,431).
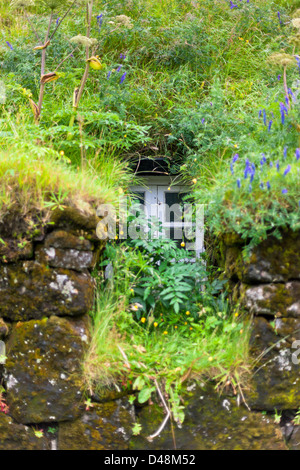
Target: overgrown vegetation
(145,337)
(212,87)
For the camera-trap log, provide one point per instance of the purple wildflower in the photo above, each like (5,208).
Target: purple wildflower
(268,185)
(261,185)
(284,191)
(292,95)
(119,68)
(287,170)
(57,21)
(123,77)
(265,117)
(203,120)
(298,61)
(279,17)
(283,111)
(100,21)
(278,77)
(297,153)
(232,5)
(235,158)
(9,45)
(277,165)
(270,125)
(109,74)
(238,182)
(248,170)
(287,100)
(285,152)
(263,160)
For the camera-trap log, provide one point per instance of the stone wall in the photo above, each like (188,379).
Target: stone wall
(46,295)
(267,286)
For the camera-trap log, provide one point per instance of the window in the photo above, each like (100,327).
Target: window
(166,204)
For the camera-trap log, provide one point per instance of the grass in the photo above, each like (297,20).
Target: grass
(133,355)
(40,180)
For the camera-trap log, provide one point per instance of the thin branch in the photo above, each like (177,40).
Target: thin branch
(44,50)
(60,64)
(166,418)
(43,65)
(58,24)
(286,87)
(87,53)
(33,28)
(127,364)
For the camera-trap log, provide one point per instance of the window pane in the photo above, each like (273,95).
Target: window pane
(175,213)
(139,196)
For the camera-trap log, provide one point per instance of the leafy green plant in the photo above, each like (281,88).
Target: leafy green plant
(277,417)
(155,353)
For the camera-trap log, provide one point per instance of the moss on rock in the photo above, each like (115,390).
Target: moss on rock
(273,299)
(103,427)
(43,369)
(211,423)
(32,290)
(15,436)
(275,382)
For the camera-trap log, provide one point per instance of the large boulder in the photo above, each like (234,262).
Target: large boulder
(32,291)
(43,369)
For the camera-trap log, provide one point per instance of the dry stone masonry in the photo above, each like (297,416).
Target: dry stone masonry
(46,296)
(268,288)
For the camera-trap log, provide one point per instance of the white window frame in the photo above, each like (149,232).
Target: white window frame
(154,190)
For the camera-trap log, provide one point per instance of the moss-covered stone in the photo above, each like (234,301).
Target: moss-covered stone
(69,241)
(4,329)
(272,261)
(273,299)
(294,442)
(43,369)
(81,215)
(67,259)
(15,436)
(275,381)
(15,250)
(103,427)
(211,423)
(32,290)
